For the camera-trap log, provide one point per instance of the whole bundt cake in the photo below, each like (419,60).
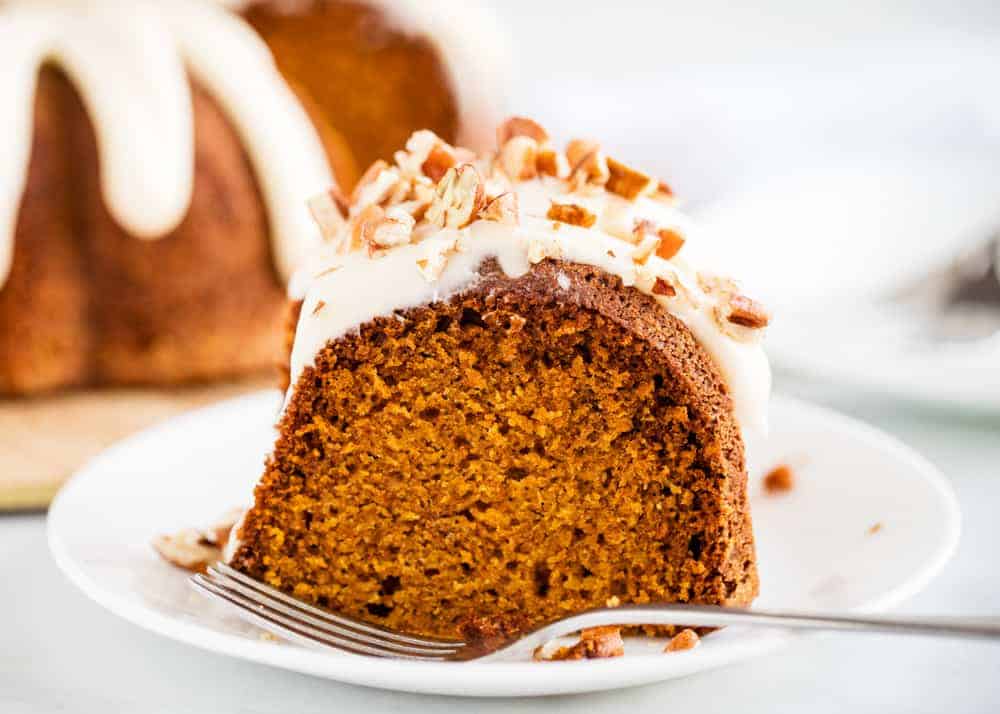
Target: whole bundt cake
(510,397)
(155,160)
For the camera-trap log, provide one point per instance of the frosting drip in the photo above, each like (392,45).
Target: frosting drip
(362,287)
(128,62)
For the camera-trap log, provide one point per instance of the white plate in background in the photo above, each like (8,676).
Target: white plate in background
(824,248)
(815,548)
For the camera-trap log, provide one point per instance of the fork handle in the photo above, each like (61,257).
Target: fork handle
(714,616)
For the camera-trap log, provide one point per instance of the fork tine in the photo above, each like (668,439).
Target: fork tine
(321,618)
(263,615)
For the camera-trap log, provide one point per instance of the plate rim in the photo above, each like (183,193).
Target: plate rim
(409,676)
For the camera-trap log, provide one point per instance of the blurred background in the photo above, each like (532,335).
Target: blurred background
(836,154)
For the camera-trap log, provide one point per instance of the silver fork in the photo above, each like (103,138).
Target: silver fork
(291,619)
(959,301)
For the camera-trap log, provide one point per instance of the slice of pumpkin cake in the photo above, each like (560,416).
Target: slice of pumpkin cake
(509,396)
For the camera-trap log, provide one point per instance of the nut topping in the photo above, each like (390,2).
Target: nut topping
(518,158)
(627,182)
(747,313)
(458,198)
(662,287)
(551,163)
(375,186)
(594,643)
(571,213)
(196,548)
(686,639)
(521,126)
(438,161)
(671,243)
(394,227)
(588,164)
(435,260)
(646,247)
(780,479)
(663,193)
(502,209)
(328,210)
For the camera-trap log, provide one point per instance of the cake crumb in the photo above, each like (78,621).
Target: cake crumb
(684,640)
(875,528)
(780,479)
(595,643)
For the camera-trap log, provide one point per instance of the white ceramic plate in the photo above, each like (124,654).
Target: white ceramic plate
(815,548)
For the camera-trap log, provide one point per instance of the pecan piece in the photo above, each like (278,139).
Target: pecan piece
(521,126)
(551,163)
(595,643)
(571,213)
(458,198)
(686,639)
(518,158)
(374,186)
(628,182)
(329,209)
(502,209)
(662,287)
(747,313)
(588,164)
(780,479)
(671,243)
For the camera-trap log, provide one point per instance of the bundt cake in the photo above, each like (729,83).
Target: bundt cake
(510,397)
(148,221)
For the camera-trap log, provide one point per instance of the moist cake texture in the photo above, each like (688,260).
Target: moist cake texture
(530,441)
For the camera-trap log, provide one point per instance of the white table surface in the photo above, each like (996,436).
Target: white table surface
(60,652)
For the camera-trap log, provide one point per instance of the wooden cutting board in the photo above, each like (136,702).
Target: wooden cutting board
(44,440)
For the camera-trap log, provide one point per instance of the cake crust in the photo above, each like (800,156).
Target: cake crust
(532,446)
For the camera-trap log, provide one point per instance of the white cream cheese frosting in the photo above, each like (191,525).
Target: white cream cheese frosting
(349,290)
(129,61)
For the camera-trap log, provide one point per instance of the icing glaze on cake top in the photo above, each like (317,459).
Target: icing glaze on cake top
(416,232)
(129,61)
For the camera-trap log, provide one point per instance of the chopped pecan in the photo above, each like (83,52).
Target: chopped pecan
(662,287)
(686,639)
(328,209)
(197,548)
(521,126)
(458,198)
(518,158)
(780,479)
(588,164)
(595,643)
(747,313)
(374,186)
(435,260)
(187,549)
(394,227)
(628,182)
(551,162)
(646,247)
(671,243)
(502,209)
(439,159)
(571,213)
(663,193)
